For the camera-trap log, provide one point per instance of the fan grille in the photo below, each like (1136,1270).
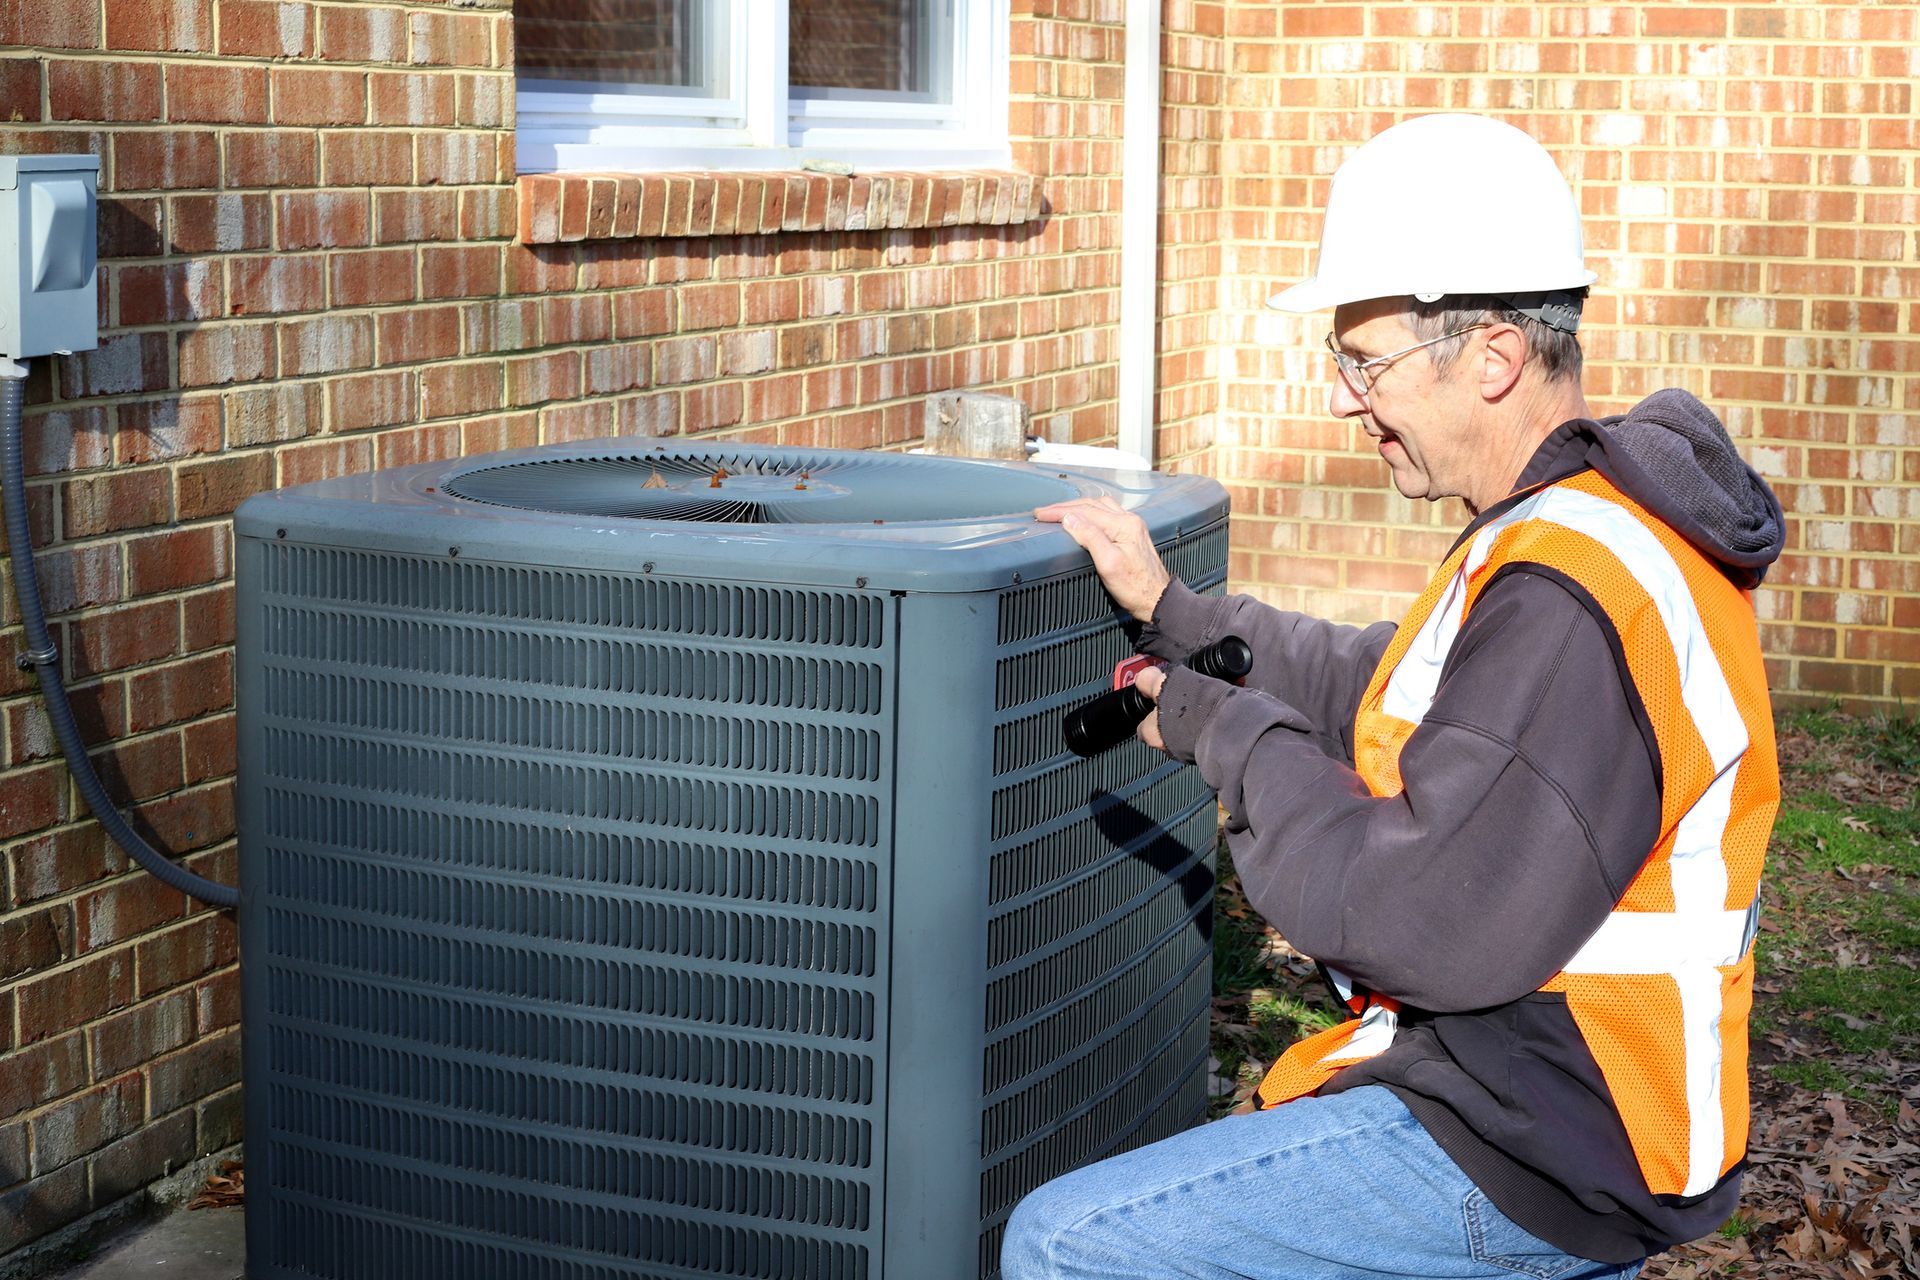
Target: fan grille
(753,488)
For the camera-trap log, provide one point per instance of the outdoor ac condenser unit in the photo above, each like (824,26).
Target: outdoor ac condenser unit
(662,860)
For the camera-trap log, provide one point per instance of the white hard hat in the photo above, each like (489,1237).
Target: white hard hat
(1447,204)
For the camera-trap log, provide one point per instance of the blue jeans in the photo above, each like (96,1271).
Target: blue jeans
(1346,1186)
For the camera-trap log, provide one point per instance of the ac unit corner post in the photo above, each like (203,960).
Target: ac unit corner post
(632,895)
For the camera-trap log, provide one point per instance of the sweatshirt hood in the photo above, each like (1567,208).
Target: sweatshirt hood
(1670,454)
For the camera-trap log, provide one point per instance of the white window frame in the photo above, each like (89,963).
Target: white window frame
(762,125)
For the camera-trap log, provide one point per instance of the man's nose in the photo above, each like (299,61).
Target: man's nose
(1342,402)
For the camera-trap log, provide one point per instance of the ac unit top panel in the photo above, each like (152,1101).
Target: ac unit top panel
(820,517)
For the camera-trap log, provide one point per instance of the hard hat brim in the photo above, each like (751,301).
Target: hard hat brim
(1316,294)
(1312,294)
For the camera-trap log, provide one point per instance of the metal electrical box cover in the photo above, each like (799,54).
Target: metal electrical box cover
(660,859)
(48,302)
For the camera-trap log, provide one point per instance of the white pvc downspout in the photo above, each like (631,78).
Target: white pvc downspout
(1140,228)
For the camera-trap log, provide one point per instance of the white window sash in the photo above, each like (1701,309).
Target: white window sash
(762,126)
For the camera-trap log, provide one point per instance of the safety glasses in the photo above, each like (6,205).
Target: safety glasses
(1359,375)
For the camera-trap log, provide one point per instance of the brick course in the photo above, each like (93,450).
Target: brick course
(316,259)
(1747,179)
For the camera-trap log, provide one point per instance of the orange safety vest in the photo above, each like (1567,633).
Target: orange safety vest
(1661,991)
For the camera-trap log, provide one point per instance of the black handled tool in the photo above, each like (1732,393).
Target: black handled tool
(1110,719)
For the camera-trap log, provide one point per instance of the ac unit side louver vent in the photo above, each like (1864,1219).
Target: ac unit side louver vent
(647,880)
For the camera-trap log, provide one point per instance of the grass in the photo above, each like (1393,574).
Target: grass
(1824,1077)
(1892,741)
(1238,941)
(1843,902)
(1859,1009)
(1888,920)
(1262,1005)
(1282,1013)
(1829,835)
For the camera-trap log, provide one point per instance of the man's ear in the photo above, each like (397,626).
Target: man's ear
(1505,355)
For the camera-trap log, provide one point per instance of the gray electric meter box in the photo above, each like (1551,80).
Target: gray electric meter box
(48,302)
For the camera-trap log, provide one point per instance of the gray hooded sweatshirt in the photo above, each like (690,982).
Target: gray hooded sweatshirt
(1532,798)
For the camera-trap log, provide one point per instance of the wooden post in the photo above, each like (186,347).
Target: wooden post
(973,424)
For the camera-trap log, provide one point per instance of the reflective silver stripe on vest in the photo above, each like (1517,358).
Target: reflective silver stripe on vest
(1662,941)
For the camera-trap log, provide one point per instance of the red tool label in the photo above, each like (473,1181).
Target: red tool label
(1127,670)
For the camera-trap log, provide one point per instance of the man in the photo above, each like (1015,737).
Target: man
(1522,831)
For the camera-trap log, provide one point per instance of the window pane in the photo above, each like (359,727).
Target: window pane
(869,48)
(658,45)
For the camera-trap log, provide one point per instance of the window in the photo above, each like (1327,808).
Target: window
(760,84)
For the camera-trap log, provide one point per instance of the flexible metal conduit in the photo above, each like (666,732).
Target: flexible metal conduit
(45,660)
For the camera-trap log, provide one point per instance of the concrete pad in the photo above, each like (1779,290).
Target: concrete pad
(197,1244)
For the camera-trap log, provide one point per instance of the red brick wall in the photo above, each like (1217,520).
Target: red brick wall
(308,267)
(1748,179)
(1196,263)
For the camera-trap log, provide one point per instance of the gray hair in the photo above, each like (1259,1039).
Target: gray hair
(1558,352)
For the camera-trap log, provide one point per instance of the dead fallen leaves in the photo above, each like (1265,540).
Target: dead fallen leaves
(1832,1191)
(227,1187)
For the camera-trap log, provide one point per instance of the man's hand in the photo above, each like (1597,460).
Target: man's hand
(1149,682)
(1122,551)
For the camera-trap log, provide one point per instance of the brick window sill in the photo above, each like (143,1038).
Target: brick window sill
(564,208)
